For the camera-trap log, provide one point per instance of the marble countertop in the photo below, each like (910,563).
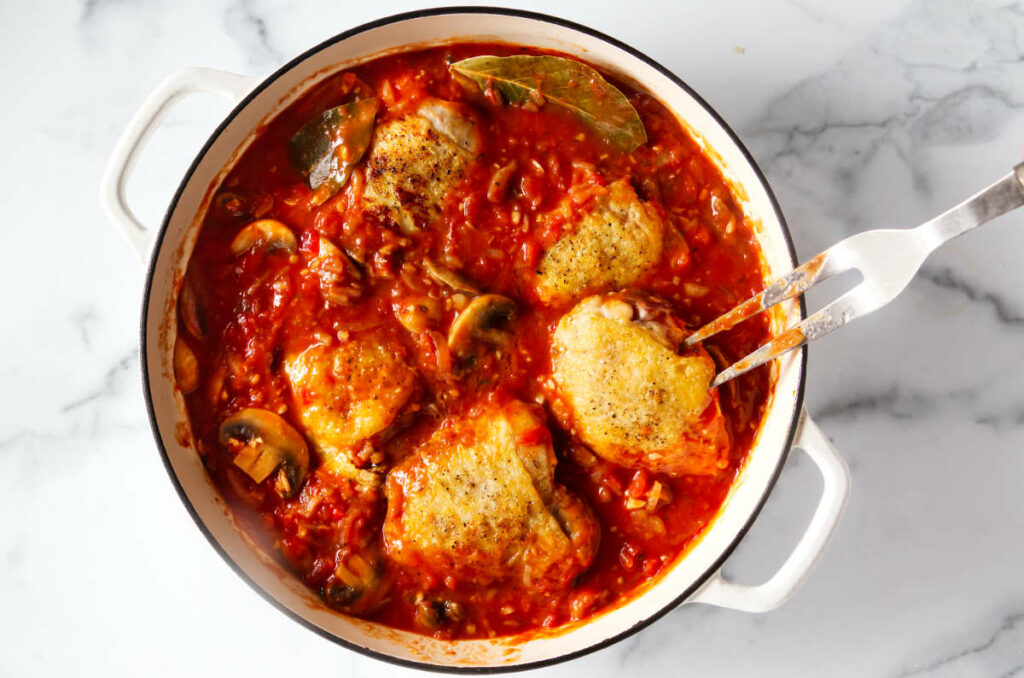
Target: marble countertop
(863,115)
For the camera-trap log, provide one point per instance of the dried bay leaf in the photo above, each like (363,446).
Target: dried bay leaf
(326,149)
(566,83)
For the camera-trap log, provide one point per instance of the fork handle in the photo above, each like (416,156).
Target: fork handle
(999,198)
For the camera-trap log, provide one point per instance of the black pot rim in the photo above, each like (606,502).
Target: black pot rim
(158,245)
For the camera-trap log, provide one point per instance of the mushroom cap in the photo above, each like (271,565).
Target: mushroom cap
(484,323)
(338,275)
(264,442)
(449,278)
(186,367)
(269,234)
(192,307)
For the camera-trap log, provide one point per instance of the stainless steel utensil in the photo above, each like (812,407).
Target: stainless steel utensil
(887,260)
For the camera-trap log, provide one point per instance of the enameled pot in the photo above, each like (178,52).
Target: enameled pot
(696,577)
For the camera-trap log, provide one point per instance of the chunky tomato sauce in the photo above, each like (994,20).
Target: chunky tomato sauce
(238,311)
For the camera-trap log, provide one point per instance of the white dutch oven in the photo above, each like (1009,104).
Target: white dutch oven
(696,578)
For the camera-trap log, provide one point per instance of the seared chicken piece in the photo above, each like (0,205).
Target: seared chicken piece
(478,500)
(415,161)
(615,241)
(630,396)
(344,393)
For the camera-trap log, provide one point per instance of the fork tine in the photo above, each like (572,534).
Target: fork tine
(835,315)
(793,284)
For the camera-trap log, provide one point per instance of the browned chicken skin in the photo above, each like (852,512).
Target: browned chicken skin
(479,500)
(629,395)
(614,241)
(344,393)
(416,160)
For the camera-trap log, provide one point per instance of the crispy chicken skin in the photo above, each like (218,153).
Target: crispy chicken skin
(478,500)
(416,160)
(345,392)
(614,241)
(629,396)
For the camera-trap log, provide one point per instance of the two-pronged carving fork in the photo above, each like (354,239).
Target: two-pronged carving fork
(887,260)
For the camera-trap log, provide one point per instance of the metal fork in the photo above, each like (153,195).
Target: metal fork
(887,260)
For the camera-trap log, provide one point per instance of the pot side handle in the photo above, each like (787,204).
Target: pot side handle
(143,124)
(781,586)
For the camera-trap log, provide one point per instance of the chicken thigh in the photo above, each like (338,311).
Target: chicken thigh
(345,392)
(416,160)
(628,394)
(478,500)
(614,241)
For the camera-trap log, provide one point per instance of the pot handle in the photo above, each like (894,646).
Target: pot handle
(146,120)
(778,589)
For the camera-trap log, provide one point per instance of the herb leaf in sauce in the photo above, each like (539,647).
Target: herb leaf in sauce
(568,84)
(326,149)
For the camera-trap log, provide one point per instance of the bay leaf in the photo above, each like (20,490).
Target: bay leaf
(566,83)
(326,149)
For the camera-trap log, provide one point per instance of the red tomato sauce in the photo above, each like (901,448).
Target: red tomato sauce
(246,306)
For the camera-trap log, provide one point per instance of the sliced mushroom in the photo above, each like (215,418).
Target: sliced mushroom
(269,234)
(432,615)
(450,278)
(497,189)
(262,442)
(356,586)
(485,322)
(192,310)
(339,275)
(417,313)
(230,204)
(186,367)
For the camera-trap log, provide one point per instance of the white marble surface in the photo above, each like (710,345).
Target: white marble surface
(863,115)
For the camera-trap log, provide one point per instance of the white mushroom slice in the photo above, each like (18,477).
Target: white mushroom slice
(483,324)
(269,234)
(356,587)
(450,278)
(186,367)
(417,313)
(338,275)
(192,310)
(264,442)
(497,189)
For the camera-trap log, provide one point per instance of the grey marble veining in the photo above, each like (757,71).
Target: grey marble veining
(863,115)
